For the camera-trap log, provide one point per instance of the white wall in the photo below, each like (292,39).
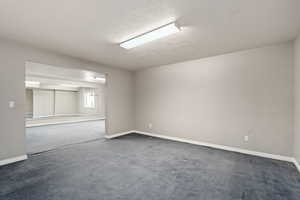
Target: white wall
(99,104)
(43,103)
(29,102)
(49,102)
(101,94)
(66,102)
(54,102)
(297,101)
(221,99)
(120,116)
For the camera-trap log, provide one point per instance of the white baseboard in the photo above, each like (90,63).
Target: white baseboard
(296,164)
(216,146)
(62,122)
(117,135)
(222,147)
(12,160)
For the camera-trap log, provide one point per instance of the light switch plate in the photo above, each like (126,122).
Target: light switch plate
(11,104)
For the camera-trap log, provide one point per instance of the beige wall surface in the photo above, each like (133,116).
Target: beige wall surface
(29,102)
(99,104)
(12,76)
(66,102)
(43,105)
(297,101)
(222,99)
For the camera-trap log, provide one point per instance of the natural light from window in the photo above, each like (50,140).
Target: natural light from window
(89,99)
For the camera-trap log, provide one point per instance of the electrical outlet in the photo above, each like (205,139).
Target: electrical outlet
(150,126)
(246,138)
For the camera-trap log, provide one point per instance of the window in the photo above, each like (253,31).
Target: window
(89,99)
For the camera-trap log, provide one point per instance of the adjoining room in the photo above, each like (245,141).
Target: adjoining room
(150,100)
(63,106)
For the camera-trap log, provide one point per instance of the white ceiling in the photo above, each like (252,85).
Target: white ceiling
(59,73)
(59,84)
(52,77)
(92,29)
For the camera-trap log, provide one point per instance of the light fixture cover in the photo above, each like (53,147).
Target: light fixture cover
(69,85)
(155,34)
(99,79)
(34,84)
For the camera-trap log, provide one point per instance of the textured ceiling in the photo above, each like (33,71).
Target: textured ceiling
(92,29)
(49,71)
(52,76)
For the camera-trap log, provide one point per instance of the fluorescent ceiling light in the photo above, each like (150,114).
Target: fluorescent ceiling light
(32,84)
(150,36)
(69,85)
(99,79)
(95,78)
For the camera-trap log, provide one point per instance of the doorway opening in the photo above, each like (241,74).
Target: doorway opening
(63,106)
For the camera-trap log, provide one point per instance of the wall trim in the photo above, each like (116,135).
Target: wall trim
(62,122)
(222,147)
(296,164)
(118,134)
(12,160)
(215,146)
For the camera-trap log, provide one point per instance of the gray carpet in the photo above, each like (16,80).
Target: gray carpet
(43,138)
(137,167)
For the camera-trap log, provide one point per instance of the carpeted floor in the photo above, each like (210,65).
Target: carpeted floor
(44,138)
(135,167)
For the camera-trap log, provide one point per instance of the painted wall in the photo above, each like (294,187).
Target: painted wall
(297,101)
(49,102)
(66,102)
(221,99)
(99,102)
(12,72)
(43,105)
(29,103)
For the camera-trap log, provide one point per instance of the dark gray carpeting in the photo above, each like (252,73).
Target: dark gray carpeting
(137,167)
(44,138)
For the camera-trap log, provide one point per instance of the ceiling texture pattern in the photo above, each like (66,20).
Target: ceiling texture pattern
(92,29)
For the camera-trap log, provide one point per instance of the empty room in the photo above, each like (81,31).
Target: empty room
(150,99)
(63,106)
